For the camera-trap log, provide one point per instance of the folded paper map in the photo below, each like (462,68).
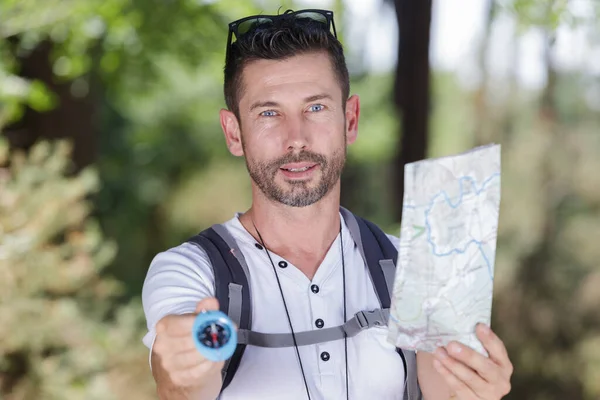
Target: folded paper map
(444,277)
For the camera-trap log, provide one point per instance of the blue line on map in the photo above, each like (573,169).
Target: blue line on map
(460,199)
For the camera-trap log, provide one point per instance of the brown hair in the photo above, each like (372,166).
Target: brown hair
(277,41)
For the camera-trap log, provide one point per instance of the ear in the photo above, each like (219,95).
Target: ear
(352,114)
(232,132)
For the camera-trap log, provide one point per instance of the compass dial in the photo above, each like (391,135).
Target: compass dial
(214,335)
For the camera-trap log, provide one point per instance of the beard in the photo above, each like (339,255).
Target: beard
(298,193)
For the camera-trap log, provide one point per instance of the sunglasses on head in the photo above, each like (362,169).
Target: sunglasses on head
(248,24)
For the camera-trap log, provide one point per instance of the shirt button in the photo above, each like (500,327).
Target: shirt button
(314,288)
(325,356)
(319,323)
(282,264)
(258,246)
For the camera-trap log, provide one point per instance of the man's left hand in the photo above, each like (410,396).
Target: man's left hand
(471,375)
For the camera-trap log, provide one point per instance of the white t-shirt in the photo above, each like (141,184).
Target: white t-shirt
(181,276)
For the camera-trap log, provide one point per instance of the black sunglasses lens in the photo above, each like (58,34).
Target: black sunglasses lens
(318,17)
(250,24)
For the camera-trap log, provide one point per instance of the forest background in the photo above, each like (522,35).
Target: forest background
(111,151)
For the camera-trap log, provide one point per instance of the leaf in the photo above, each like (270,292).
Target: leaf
(40,98)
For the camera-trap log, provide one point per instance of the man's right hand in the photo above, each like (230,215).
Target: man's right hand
(179,369)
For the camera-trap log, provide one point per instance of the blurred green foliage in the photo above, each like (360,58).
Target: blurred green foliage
(59,338)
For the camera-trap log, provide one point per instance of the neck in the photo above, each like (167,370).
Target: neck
(303,235)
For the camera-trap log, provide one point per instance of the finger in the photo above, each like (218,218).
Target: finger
(207,304)
(461,390)
(191,376)
(483,366)
(185,360)
(461,371)
(176,325)
(174,345)
(494,346)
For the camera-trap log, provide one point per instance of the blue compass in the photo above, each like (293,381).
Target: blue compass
(214,335)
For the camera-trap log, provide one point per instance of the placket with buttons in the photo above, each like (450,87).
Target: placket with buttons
(325,351)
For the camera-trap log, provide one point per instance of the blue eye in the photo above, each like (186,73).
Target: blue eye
(268,113)
(316,107)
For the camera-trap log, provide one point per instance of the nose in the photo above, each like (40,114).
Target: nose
(297,135)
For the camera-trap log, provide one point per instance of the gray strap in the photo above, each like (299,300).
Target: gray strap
(224,233)
(235,290)
(354,230)
(235,250)
(235,313)
(362,320)
(235,303)
(412,389)
(389,271)
(356,236)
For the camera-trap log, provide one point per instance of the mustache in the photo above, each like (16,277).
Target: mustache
(304,156)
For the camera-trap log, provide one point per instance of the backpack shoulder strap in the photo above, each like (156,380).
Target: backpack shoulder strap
(378,252)
(380,256)
(232,288)
(412,390)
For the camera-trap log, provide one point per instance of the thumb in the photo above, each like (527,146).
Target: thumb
(207,304)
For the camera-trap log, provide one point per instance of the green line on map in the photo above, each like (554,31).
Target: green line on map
(419,230)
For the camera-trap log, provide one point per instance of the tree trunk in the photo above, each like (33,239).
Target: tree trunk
(72,118)
(482,129)
(411,89)
(511,110)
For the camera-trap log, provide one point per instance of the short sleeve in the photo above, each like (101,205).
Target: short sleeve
(176,281)
(395,240)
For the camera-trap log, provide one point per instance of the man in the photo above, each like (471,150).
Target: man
(291,116)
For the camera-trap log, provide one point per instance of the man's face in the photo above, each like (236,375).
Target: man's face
(294,130)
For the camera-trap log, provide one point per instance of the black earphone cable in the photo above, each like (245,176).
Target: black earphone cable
(286,310)
(345,319)
(288,314)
